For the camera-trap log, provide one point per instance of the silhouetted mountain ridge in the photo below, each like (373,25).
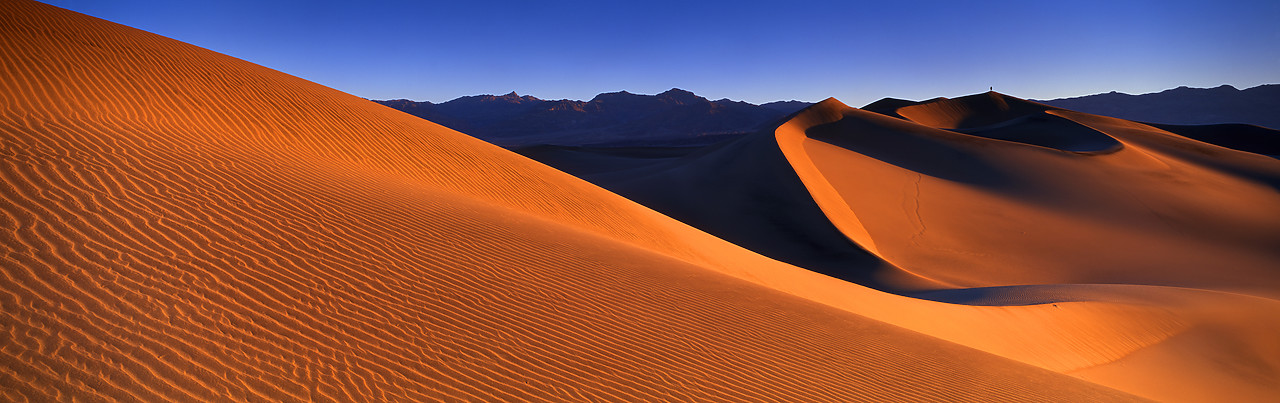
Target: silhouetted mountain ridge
(1185,106)
(678,117)
(787,107)
(673,117)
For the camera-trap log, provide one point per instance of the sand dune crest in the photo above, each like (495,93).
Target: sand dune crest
(181,225)
(1068,247)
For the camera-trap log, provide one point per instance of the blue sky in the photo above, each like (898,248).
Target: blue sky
(743,50)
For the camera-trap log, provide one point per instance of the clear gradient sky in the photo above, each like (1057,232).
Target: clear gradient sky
(743,50)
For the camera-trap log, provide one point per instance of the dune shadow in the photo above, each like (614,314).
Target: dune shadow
(1242,137)
(912,147)
(1049,131)
(1013,295)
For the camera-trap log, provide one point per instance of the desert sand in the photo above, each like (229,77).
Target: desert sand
(182,225)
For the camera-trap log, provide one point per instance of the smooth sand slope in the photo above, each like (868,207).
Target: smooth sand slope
(743,191)
(1021,193)
(181,225)
(1004,202)
(981,191)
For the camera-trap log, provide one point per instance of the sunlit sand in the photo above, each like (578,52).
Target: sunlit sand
(181,225)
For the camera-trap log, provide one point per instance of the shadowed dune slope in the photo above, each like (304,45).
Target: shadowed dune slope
(1001,117)
(965,112)
(1034,232)
(180,225)
(744,192)
(1049,131)
(1159,209)
(975,211)
(1049,197)
(1249,138)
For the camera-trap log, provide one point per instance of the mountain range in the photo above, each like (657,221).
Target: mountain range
(1259,106)
(616,118)
(679,117)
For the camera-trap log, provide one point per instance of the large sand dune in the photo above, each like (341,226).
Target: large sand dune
(1044,196)
(182,225)
(1022,211)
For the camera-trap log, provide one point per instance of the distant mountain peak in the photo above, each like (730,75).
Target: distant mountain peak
(676,92)
(1185,105)
(605,96)
(681,97)
(1223,87)
(512,97)
(787,107)
(674,116)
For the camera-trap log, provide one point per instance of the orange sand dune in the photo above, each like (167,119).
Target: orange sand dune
(997,204)
(181,225)
(1008,209)
(1001,205)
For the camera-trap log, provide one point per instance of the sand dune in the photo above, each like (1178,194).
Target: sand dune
(971,209)
(745,192)
(1047,196)
(182,225)
(976,211)
(1016,215)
